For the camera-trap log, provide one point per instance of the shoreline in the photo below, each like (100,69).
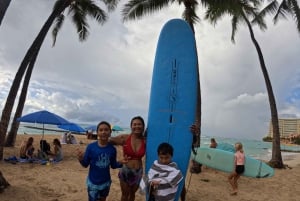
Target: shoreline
(65,181)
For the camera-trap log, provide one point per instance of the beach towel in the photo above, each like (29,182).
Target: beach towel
(169,177)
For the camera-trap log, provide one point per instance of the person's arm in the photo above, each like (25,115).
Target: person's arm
(118,140)
(235,162)
(195,130)
(29,151)
(83,158)
(117,164)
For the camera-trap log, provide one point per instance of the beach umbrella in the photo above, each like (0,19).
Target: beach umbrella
(116,128)
(72,127)
(43,117)
(92,128)
(113,128)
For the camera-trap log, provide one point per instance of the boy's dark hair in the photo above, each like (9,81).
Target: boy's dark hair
(105,123)
(164,149)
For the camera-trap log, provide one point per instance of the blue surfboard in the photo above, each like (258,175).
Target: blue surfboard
(173,94)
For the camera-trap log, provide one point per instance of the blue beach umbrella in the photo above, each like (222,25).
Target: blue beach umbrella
(72,127)
(92,128)
(43,117)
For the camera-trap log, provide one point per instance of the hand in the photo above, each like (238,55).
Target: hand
(125,160)
(195,130)
(80,155)
(155,183)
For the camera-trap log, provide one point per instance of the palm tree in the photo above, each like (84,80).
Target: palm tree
(241,11)
(79,10)
(136,9)
(281,10)
(12,134)
(3,7)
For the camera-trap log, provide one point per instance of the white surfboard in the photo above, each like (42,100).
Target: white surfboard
(224,161)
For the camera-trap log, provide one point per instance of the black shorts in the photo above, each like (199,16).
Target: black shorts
(239,169)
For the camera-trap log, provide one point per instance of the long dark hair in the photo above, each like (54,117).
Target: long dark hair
(29,142)
(139,118)
(57,142)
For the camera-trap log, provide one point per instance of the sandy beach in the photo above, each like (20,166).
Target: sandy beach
(65,181)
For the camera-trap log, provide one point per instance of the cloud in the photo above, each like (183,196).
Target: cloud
(108,76)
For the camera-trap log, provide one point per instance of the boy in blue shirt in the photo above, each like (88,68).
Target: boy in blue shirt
(100,156)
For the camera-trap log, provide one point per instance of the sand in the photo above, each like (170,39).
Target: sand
(65,181)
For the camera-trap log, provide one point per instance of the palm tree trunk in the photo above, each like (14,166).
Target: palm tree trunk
(6,112)
(3,182)
(3,7)
(195,167)
(12,134)
(276,160)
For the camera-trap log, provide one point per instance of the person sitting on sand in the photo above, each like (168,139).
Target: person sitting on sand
(27,149)
(64,138)
(71,139)
(57,155)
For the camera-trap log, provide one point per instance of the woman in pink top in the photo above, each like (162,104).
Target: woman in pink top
(239,167)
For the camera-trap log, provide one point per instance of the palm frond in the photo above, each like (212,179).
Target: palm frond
(260,22)
(295,12)
(215,13)
(271,8)
(282,10)
(135,9)
(111,4)
(96,13)
(79,19)
(57,26)
(234,24)
(190,16)
(189,13)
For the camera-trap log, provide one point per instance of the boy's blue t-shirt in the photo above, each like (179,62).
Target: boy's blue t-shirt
(100,159)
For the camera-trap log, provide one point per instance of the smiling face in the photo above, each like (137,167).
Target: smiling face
(103,133)
(137,126)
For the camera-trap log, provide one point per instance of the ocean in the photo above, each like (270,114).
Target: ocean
(255,148)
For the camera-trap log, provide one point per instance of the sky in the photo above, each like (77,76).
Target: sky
(108,76)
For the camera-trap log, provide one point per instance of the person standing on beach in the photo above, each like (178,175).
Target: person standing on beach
(134,148)
(100,156)
(239,167)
